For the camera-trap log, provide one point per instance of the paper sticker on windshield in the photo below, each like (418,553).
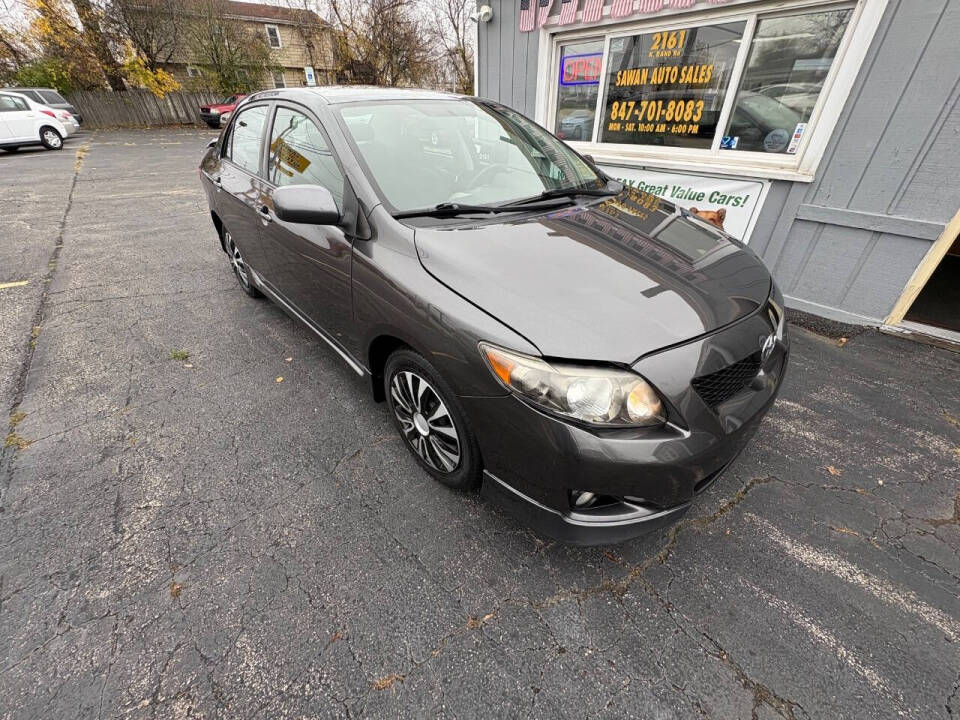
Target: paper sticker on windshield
(797,137)
(729,142)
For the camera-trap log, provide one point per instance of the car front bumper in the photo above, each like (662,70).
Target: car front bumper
(211,119)
(648,476)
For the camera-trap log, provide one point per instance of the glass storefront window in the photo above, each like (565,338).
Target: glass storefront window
(790,58)
(577,89)
(668,88)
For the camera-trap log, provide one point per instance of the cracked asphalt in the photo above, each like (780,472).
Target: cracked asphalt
(190,538)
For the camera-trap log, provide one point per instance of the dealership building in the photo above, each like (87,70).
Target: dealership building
(826,135)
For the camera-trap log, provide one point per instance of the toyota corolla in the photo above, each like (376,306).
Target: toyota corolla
(590,356)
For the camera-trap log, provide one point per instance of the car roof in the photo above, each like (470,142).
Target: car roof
(21,89)
(336,94)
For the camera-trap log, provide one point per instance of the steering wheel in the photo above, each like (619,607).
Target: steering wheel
(487,174)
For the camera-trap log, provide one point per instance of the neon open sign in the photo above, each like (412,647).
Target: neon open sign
(581,69)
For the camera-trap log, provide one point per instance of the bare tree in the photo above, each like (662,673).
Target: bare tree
(235,55)
(153,27)
(380,42)
(452,29)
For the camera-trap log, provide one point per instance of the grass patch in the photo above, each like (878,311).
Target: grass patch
(13,440)
(179,355)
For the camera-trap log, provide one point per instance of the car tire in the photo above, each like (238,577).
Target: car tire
(240,269)
(50,138)
(11,148)
(431,421)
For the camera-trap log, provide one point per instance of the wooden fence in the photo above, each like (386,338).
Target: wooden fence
(139,108)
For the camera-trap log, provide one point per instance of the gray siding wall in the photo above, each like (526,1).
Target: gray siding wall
(845,245)
(507,58)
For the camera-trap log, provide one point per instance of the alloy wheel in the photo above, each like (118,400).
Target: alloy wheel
(425,421)
(52,138)
(236,259)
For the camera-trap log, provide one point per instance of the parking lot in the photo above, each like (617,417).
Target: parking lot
(203,513)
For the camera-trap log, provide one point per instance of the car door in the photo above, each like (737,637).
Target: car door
(239,184)
(20,119)
(312,262)
(6,108)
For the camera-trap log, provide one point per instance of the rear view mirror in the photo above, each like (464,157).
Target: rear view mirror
(309,204)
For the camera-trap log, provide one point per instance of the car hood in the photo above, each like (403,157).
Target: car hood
(609,281)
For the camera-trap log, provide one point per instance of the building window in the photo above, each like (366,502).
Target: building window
(278,81)
(668,88)
(579,84)
(790,58)
(734,86)
(273,36)
(192,71)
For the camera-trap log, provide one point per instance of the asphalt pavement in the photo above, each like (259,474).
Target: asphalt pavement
(203,513)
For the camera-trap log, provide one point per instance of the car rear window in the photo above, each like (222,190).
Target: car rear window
(51,97)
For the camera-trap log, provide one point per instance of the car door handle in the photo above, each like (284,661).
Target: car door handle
(218,182)
(265,213)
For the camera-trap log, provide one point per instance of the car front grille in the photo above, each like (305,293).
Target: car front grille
(718,387)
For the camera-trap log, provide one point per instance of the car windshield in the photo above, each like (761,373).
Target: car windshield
(425,153)
(772,112)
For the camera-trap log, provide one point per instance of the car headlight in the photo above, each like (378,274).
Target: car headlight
(595,395)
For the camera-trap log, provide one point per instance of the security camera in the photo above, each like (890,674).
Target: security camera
(484,14)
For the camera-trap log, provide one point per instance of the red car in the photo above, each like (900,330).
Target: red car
(213,114)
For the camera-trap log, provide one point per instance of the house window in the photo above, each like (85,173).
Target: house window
(278,81)
(732,87)
(273,36)
(192,71)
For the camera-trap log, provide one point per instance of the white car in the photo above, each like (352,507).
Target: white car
(24,122)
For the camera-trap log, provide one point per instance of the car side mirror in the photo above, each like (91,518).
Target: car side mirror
(212,143)
(309,204)
(589,159)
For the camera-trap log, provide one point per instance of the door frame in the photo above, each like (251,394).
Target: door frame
(924,271)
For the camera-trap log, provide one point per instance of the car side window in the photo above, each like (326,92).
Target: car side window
(300,155)
(243,145)
(52,97)
(8,103)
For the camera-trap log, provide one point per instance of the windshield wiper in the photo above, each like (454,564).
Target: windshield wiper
(611,188)
(449,209)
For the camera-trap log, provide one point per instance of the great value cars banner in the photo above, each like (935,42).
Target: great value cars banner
(534,16)
(730,203)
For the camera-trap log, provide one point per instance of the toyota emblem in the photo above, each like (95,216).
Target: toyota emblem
(766,346)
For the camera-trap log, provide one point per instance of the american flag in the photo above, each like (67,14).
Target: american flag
(683,3)
(649,6)
(621,8)
(527,13)
(543,10)
(592,10)
(568,11)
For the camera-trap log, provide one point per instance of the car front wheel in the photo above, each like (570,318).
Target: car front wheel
(240,268)
(431,422)
(50,138)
